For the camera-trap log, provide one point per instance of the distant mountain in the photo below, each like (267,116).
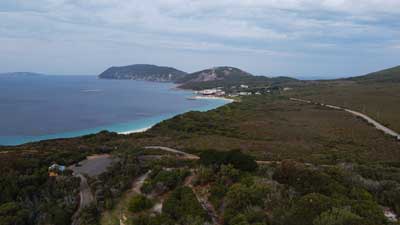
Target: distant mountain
(215,74)
(383,76)
(143,72)
(218,77)
(21,74)
(227,77)
(224,76)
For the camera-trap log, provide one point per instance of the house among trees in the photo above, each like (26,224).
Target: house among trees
(56,170)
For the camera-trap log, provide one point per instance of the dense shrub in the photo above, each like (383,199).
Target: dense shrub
(236,158)
(139,203)
(164,180)
(182,205)
(337,216)
(308,208)
(306,180)
(246,200)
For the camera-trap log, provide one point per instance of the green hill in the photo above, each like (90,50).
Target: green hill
(143,72)
(228,77)
(387,75)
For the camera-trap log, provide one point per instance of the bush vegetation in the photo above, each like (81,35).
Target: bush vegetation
(235,158)
(161,181)
(139,203)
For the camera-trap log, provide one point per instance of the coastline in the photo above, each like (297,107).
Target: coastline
(136,126)
(212,98)
(141,130)
(195,97)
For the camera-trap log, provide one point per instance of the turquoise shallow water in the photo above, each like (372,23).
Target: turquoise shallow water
(50,107)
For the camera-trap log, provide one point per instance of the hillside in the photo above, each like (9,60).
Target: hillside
(143,72)
(376,94)
(223,76)
(214,74)
(387,75)
(220,77)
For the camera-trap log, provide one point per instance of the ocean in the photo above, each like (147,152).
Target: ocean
(34,108)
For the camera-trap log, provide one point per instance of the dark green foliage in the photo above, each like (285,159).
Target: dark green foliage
(89,215)
(162,180)
(217,193)
(182,204)
(307,180)
(139,203)
(246,200)
(369,210)
(322,191)
(144,219)
(188,124)
(338,216)
(205,175)
(118,178)
(235,157)
(29,196)
(12,214)
(307,208)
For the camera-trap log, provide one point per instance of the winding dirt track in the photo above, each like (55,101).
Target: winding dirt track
(368,119)
(86,197)
(171,150)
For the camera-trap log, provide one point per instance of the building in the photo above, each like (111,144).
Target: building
(213,92)
(244,93)
(244,86)
(287,89)
(208,92)
(56,170)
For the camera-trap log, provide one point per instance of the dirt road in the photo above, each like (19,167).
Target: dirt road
(183,154)
(368,119)
(86,197)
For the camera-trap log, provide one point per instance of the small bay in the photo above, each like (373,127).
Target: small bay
(34,108)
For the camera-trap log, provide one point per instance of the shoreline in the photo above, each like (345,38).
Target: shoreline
(121,129)
(195,97)
(140,130)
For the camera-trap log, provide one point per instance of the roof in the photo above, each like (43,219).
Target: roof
(55,166)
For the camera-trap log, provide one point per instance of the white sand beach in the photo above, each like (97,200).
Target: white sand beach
(136,131)
(212,97)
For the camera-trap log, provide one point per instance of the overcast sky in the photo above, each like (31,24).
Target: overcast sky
(303,38)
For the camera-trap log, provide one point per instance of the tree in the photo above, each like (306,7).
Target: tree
(228,174)
(236,158)
(307,208)
(204,175)
(12,214)
(338,216)
(181,204)
(139,203)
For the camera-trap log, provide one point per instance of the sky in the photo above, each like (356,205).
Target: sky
(299,38)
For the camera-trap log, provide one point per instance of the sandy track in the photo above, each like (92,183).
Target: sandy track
(368,119)
(175,151)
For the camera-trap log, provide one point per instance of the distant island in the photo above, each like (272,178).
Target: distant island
(143,72)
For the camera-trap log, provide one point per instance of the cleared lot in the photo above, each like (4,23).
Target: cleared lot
(93,165)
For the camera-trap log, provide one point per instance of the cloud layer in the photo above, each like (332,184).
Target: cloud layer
(300,37)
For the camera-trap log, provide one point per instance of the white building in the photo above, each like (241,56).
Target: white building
(244,93)
(208,91)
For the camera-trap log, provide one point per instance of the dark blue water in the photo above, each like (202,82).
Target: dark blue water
(47,107)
